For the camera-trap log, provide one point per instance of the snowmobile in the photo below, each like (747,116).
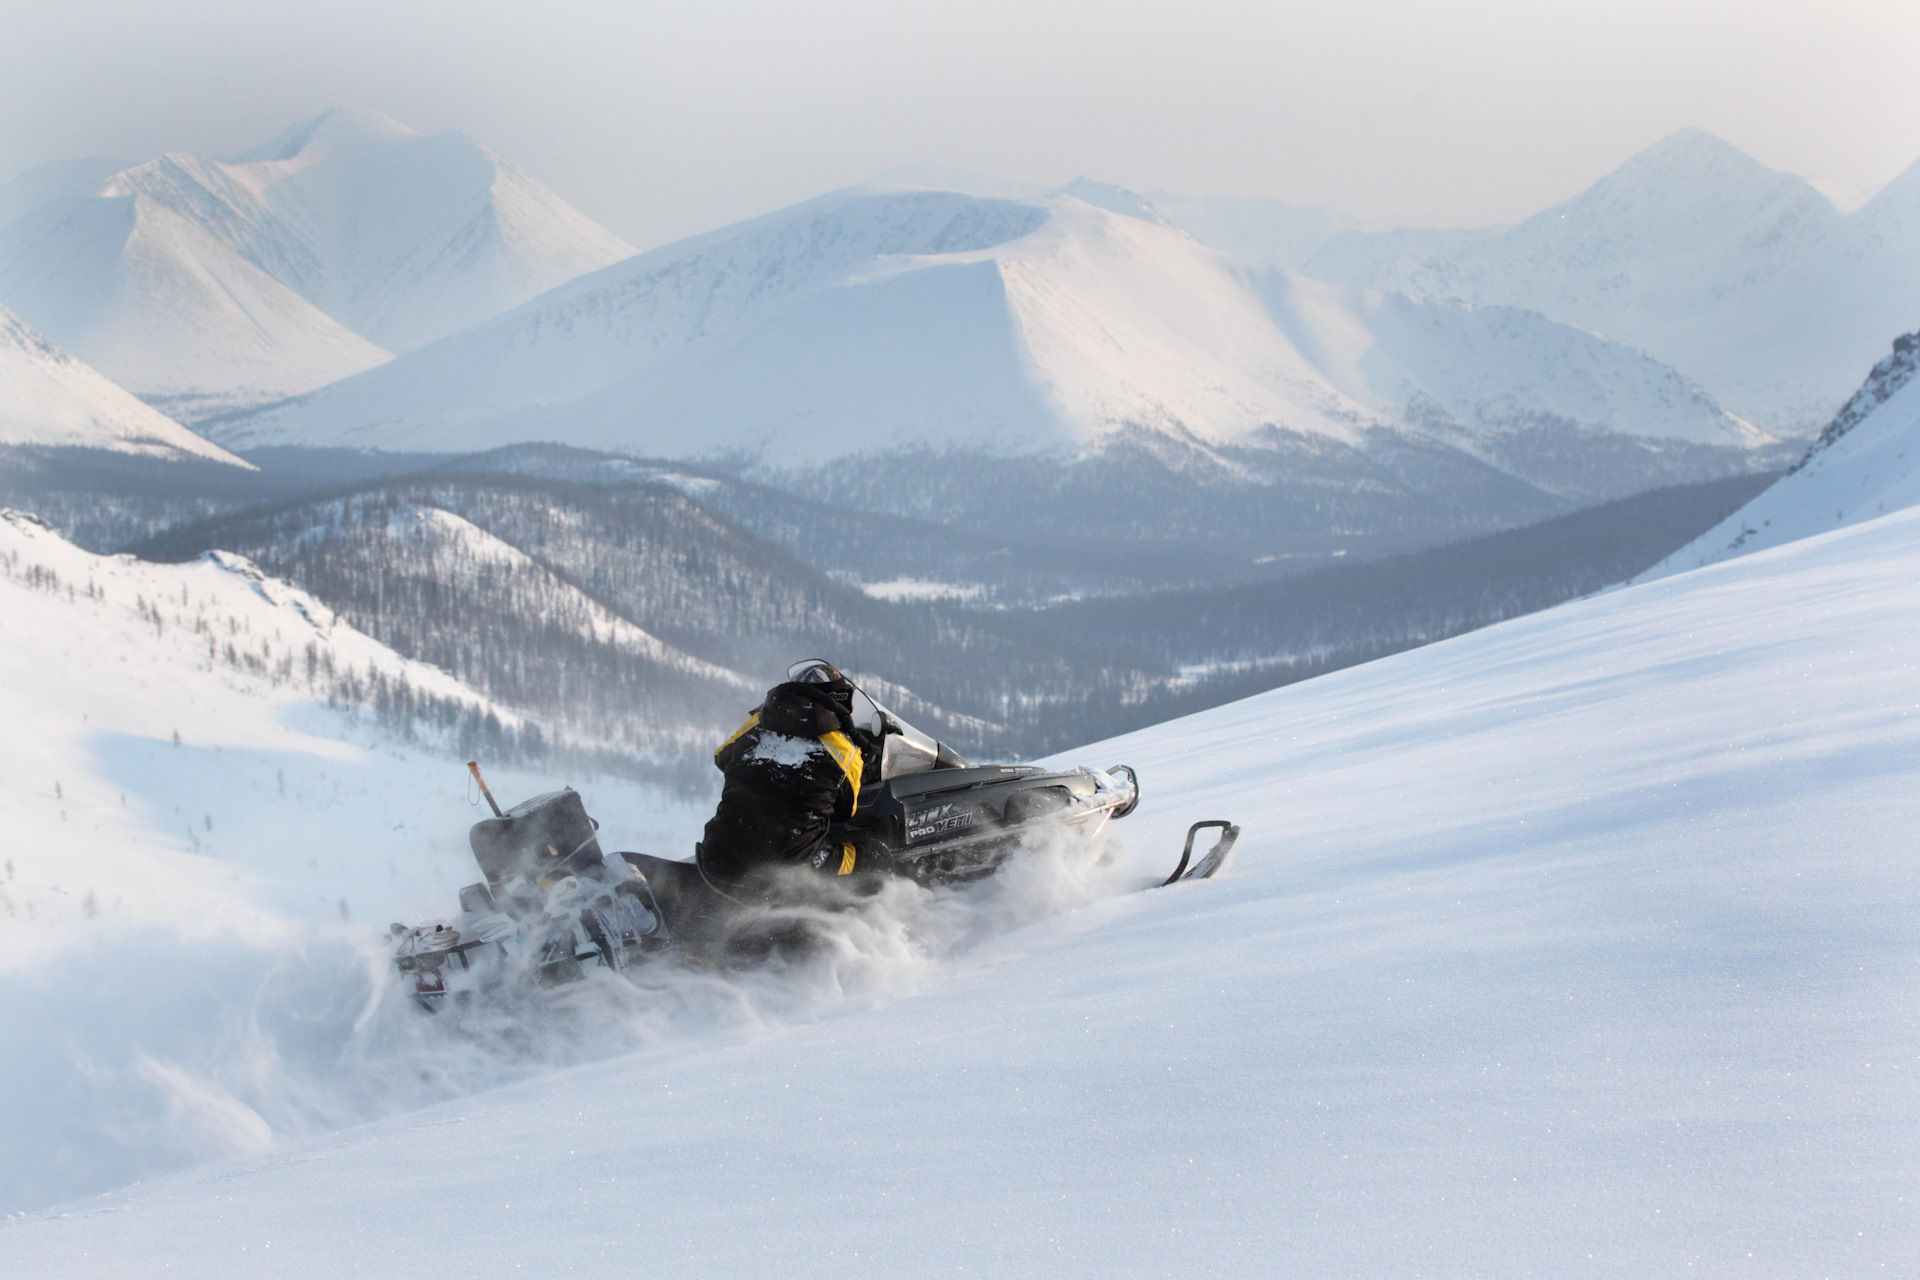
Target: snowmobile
(553,905)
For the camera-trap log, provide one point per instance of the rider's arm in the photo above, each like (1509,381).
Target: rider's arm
(729,751)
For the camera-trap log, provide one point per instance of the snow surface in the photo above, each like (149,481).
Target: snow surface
(1865,464)
(199,850)
(215,284)
(921,589)
(1579,945)
(879,317)
(49,398)
(1749,281)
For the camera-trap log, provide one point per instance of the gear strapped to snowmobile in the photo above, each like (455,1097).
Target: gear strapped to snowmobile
(552,904)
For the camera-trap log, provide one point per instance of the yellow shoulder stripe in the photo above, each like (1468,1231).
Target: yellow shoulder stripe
(847,756)
(752,720)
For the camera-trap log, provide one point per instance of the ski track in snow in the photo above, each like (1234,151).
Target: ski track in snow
(1579,945)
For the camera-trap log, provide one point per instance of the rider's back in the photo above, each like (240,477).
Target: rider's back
(787,770)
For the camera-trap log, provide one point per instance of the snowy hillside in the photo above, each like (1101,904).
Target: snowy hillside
(206,285)
(1865,464)
(1744,279)
(1578,945)
(200,783)
(49,398)
(879,318)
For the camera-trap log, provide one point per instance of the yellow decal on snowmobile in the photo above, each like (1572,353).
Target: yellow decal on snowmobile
(847,756)
(733,737)
(846,859)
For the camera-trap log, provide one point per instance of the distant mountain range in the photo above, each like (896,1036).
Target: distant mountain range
(208,285)
(892,347)
(876,318)
(1157,375)
(1747,280)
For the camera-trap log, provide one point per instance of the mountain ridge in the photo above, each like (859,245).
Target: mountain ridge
(881,318)
(50,399)
(207,285)
(1746,279)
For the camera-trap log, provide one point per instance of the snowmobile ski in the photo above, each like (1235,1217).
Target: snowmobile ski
(1213,860)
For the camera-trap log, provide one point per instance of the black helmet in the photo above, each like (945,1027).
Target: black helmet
(827,677)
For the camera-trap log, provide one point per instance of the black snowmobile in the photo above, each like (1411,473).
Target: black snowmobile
(553,905)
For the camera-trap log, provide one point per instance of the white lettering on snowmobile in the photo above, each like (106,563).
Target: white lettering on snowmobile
(939,821)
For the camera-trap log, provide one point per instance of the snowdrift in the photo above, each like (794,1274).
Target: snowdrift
(1582,943)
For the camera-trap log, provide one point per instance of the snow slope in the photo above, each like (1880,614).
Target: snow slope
(1270,231)
(212,284)
(1554,949)
(1865,464)
(49,398)
(881,317)
(192,805)
(1747,280)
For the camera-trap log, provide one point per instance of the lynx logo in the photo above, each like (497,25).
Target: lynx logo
(939,821)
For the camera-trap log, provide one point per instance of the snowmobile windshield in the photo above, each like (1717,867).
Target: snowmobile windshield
(905,749)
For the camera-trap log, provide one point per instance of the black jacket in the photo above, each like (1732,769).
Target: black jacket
(792,768)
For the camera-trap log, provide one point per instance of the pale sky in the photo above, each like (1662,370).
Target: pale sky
(662,120)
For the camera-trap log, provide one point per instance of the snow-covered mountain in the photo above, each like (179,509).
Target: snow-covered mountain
(878,318)
(48,398)
(1270,231)
(1864,465)
(1579,945)
(205,285)
(1747,280)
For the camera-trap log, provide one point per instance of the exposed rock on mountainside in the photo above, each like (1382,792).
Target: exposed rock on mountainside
(1865,464)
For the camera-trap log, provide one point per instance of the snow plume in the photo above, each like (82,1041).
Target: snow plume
(152,1051)
(859,948)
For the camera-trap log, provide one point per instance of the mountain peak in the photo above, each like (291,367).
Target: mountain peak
(1692,161)
(330,131)
(1114,199)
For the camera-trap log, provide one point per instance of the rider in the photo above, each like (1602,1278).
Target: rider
(793,768)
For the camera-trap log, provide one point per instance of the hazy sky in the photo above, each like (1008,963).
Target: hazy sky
(665,119)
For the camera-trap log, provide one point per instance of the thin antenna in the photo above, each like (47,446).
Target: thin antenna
(473,767)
